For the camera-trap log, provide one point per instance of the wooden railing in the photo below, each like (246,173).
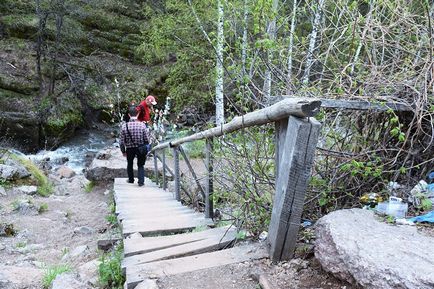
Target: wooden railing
(296,138)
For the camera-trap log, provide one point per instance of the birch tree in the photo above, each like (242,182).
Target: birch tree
(219,95)
(271,31)
(312,42)
(290,47)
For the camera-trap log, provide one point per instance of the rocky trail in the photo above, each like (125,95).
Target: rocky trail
(61,229)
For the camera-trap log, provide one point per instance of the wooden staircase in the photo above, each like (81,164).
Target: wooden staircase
(158,237)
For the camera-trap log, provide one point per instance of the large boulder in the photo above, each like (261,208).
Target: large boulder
(68,281)
(110,164)
(356,246)
(20,277)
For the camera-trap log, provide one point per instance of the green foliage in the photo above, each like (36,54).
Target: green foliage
(244,176)
(20,245)
(45,187)
(110,270)
(89,187)
(173,31)
(112,219)
(200,228)
(43,208)
(52,272)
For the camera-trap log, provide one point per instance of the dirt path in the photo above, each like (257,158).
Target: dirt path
(66,233)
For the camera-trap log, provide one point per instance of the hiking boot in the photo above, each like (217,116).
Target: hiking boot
(141,185)
(130,182)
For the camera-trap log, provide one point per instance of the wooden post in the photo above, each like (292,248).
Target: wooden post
(209,206)
(163,156)
(296,150)
(193,173)
(177,174)
(156,167)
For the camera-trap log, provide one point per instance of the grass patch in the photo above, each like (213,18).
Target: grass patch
(112,219)
(21,245)
(89,187)
(51,274)
(200,228)
(43,208)
(45,187)
(110,270)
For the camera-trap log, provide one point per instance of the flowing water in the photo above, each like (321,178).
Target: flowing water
(77,150)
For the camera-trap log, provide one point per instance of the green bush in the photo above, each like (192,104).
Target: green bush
(110,270)
(51,274)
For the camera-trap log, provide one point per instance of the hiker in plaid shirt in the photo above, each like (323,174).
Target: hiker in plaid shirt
(133,138)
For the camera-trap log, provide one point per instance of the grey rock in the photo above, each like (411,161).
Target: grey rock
(65,172)
(19,277)
(68,281)
(147,284)
(27,190)
(355,246)
(2,192)
(21,171)
(25,207)
(30,248)
(78,252)
(2,247)
(88,272)
(84,230)
(8,173)
(135,236)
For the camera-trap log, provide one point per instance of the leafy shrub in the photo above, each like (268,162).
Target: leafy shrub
(52,272)
(110,270)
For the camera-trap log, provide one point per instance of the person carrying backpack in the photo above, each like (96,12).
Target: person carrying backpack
(134,141)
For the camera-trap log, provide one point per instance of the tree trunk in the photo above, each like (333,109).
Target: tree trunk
(290,48)
(313,35)
(271,31)
(219,104)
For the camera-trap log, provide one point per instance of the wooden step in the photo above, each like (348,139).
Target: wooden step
(210,242)
(135,246)
(158,269)
(169,226)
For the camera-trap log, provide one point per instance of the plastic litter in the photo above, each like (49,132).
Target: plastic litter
(306,223)
(429,218)
(404,222)
(394,207)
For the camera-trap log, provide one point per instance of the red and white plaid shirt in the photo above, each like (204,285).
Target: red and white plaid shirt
(138,134)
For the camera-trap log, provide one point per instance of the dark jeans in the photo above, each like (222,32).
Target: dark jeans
(131,154)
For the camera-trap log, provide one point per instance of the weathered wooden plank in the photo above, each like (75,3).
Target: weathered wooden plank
(177,175)
(193,173)
(154,228)
(209,200)
(212,243)
(365,105)
(158,269)
(122,181)
(301,107)
(155,167)
(163,160)
(157,216)
(294,171)
(146,207)
(134,246)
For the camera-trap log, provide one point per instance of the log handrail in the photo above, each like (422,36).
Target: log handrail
(300,107)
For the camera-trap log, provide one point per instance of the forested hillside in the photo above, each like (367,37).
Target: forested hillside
(63,60)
